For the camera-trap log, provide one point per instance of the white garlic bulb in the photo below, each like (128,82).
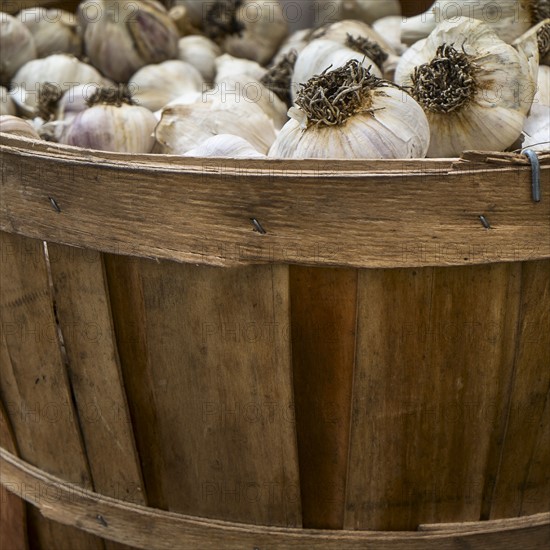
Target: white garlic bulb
(201,52)
(17,126)
(390,28)
(537,126)
(251,90)
(349,113)
(16,47)
(508,18)
(127,35)
(227,65)
(251,29)
(362,38)
(53,31)
(153,86)
(60,71)
(185,127)
(328,11)
(297,41)
(320,55)
(112,123)
(75,100)
(475,97)
(224,146)
(7,105)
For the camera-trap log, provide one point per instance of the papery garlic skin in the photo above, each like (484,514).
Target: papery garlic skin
(127,35)
(537,126)
(200,52)
(224,146)
(61,70)
(16,47)
(321,54)
(501,90)
(17,126)
(7,105)
(397,129)
(328,11)
(508,18)
(53,31)
(124,129)
(185,127)
(297,41)
(153,86)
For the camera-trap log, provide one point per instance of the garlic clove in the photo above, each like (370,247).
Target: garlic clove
(59,71)
(200,52)
(153,86)
(320,55)
(127,35)
(16,47)
(224,146)
(53,31)
(359,116)
(475,98)
(7,105)
(112,123)
(17,126)
(184,127)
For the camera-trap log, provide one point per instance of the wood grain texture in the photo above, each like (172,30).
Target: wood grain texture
(423,414)
(33,383)
(84,317)
(520,475)
(323,348)
(13,518)
(217,365)
(152,529)
(390,214)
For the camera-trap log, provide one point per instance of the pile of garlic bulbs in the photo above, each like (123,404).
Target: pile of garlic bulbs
(226,78)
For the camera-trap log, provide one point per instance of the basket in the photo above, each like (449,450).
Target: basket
(263,354)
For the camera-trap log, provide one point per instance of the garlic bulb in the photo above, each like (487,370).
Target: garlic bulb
(296,42)
(227,65)
(17,126)
(508,18)
(251,29)
(112,123)
(74,101)
(361,37)
(537,125)
(60,71)
(250,90)
(539,37)
(201,52)
(153,86)
(224,146)
(320,55)
(363,10)
(127,35)
(390,28)
(16,47)
(185,127)
(54,31)
(349,113)
(7,106)
(476,97)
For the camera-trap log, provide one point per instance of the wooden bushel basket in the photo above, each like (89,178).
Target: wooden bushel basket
(201,353)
